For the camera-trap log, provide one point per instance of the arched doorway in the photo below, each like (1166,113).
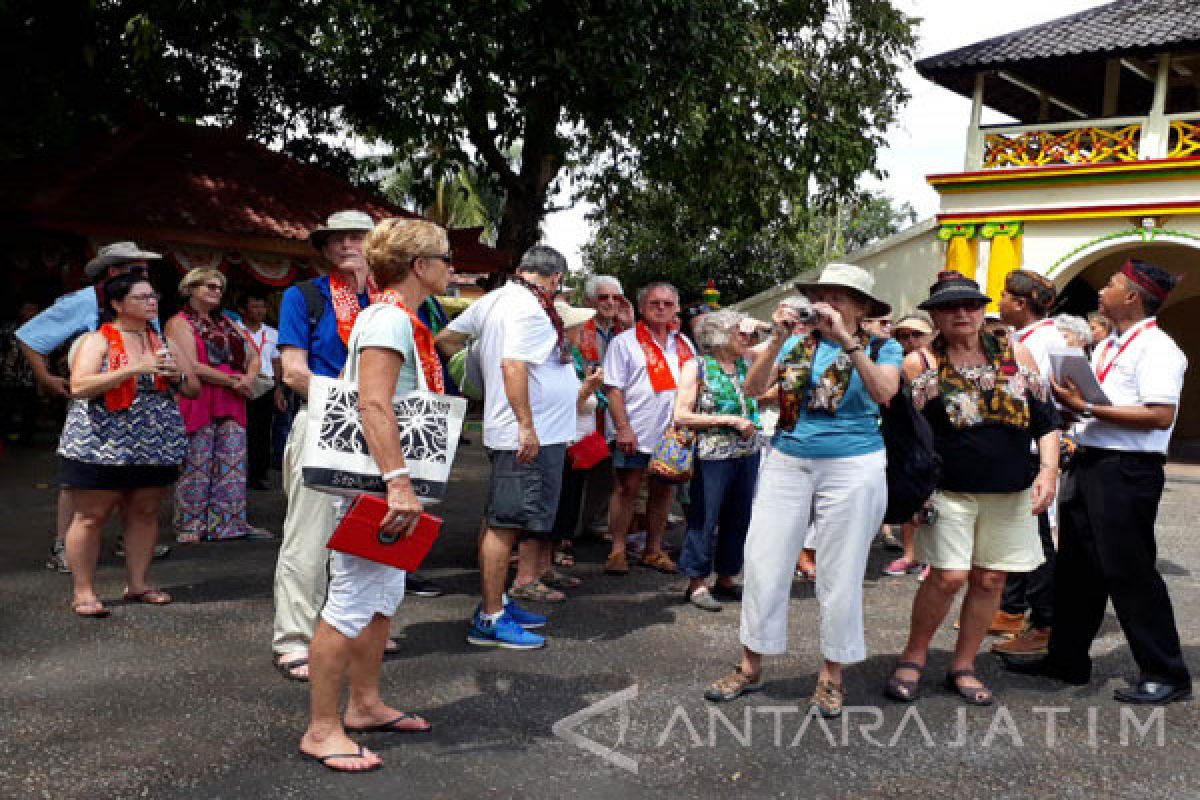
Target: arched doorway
(1081,275)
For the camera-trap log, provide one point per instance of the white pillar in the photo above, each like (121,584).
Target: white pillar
(974,159)
(1157,131)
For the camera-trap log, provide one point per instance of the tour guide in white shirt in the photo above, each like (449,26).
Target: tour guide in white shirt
(1110,498)
(641,371)
(530,388)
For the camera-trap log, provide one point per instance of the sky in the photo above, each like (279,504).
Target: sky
(930,134)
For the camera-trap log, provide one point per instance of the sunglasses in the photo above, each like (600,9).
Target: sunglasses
(962,305)
(448,257)
(907,335)
(214,285)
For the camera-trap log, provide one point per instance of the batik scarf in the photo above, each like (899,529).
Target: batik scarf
(121,396)
(797,388)
(431,367)
(994,392)
(345,303)
(546,298)
(223,341)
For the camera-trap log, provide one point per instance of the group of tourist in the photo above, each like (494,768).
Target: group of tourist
(151,409)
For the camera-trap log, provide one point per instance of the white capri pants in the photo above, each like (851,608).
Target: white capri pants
(845,499)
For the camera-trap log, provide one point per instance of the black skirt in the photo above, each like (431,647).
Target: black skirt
(74,474)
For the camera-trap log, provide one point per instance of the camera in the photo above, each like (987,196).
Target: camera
(802,307)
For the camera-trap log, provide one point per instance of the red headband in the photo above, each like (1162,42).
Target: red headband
(1155,291)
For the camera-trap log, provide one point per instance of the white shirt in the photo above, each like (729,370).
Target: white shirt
(1040,338)
(1149,371)
(267,342)
(518,329)
(649,412)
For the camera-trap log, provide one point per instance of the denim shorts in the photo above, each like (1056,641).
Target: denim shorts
(635,461)
(525,496)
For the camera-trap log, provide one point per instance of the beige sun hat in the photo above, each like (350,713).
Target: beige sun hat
(573,315)
(848,276)
(117,253)
(339,222)
(914,322)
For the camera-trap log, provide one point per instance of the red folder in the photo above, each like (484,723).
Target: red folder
(358,534)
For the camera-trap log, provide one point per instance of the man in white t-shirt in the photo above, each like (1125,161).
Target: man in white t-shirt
(260,412)
(1024,305)
(1110,498)
(641,371)
(530,389)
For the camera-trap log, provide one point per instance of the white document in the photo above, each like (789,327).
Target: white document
(1072,363)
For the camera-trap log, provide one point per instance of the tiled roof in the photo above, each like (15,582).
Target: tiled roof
(1126,27)
(176,177)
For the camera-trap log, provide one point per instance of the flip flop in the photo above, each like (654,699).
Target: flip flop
(390,726)
(904,691)
(974,695)
(97,609)
(324,761)
(285,668)
(154,597)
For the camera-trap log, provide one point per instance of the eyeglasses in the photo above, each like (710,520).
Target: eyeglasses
(608,296)
(135,269)
(215,286)
(145,298)
(448,257)
(661,303)
(905,335)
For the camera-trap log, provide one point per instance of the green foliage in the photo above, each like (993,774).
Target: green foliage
(746,110)
(656,238)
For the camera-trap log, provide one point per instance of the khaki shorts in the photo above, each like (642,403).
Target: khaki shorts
(991,531)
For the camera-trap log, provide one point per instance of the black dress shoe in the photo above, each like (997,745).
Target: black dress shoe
(1043,668)
(1153,693)
(720,592)
(421,587)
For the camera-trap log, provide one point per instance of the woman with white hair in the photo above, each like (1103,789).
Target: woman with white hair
(1075,330)
(711,400)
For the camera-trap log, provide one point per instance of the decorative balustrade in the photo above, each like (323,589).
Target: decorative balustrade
(1184,138)
(1037,146)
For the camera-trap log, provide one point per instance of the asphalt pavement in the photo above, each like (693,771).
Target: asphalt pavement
(182,701)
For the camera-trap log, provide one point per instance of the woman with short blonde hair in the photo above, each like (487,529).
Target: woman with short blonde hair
(210,497)
(392,246)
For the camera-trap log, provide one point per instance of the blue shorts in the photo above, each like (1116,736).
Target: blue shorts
(622,461)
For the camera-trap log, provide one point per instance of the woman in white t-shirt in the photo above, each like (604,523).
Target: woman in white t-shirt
(410,259)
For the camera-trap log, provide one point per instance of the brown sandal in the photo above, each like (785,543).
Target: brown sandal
(536,592)
(733,686)
(93,609)
(828,699)
(975,695)
(154,597)
(659,561)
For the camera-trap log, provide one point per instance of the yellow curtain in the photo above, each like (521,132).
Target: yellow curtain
(1005,256)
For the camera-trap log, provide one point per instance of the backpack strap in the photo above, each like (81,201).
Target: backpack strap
(314,302)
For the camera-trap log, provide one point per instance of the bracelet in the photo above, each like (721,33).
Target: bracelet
(1054,467)
(855,349)
(395,473)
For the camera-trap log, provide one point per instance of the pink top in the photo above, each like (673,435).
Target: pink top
(214,402)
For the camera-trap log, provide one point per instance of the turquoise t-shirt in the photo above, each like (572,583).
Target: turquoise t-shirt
(854,430)
(389,327)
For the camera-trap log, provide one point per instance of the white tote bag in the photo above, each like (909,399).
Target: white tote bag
(335,457)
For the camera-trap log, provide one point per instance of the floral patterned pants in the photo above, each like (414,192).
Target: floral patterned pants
(210,497)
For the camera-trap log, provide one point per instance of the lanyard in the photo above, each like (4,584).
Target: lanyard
(1021,339)
(1103,371)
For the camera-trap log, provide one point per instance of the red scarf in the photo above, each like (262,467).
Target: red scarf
(345,303)
(121,397)
(430,365)
(589,344)
(661,378)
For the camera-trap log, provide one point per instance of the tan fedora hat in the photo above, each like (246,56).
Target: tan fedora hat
(117,253)
(340,222)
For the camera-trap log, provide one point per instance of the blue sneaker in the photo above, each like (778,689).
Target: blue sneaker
(505,632)
(526,619)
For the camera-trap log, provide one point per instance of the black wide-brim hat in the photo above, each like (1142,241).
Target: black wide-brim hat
(952,287)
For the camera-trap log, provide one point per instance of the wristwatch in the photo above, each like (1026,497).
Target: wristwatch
(1086,412)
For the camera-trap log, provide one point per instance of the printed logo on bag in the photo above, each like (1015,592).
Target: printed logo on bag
(423,423)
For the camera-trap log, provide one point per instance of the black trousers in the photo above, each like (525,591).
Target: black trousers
(259,415)
(570,501)
(1107,551)
(1034,591)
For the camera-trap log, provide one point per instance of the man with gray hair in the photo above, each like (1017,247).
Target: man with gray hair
(530,389)
(641,374)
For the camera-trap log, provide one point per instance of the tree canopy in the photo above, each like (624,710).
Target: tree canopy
(747,108)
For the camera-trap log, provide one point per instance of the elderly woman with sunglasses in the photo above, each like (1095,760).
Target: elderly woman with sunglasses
(987,405)
(123,439)
(210,498)
(826,464)
(712,401)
